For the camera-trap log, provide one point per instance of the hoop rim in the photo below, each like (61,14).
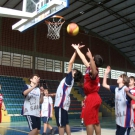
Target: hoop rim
(55,16)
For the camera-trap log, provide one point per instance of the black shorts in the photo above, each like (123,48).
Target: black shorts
(33,122)
(45,119)
(61,116)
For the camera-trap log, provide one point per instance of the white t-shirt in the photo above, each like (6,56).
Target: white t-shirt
(123,110)
(62,98)
(46,107)
(32,102)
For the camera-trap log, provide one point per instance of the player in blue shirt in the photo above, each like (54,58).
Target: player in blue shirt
(123,110)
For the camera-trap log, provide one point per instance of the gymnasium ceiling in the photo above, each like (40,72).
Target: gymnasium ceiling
(112,20)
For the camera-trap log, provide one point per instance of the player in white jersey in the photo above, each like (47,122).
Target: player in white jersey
(47,111)
(62,98)
(123,110)
(31,108)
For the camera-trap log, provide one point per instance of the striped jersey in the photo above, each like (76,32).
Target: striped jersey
(32,102)
(123,110)
(62,98)
(46,106)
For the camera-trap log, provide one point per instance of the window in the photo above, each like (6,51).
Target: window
(27,61)
(40,63)
(130,74)
(57,66)
(15,60)
(48,64)
(116,73)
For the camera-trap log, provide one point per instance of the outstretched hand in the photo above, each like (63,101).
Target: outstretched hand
(89,55)
(108,69)
(75,46)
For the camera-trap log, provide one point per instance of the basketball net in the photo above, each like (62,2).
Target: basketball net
(54,25)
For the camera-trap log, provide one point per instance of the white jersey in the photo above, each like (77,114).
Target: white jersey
(62,98)
(46,107)
(32,102)
(123,110)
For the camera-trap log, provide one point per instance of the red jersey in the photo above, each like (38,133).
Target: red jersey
(90,85)
(1,99)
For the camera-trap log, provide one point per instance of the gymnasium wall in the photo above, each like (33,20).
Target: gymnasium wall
(34,42)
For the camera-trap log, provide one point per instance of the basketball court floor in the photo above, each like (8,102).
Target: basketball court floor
(21,128)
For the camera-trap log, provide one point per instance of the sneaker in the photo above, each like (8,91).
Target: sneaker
(52,131)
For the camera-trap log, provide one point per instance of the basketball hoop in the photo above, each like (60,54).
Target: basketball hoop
(54,25)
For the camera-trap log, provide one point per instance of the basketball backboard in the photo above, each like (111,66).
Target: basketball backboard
(41,10)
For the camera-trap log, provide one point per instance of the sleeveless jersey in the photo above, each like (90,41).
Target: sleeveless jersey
(62,98)
(90,85)
(123,110)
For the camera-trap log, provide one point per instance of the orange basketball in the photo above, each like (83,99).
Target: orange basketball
(73,29)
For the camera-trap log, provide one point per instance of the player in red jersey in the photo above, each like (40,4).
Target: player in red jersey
(132,90)
(91,88)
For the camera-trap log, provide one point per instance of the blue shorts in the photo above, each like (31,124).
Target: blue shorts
(61,116)
(45,119)
(33,122)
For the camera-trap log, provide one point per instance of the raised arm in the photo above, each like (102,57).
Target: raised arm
(104,84)
(92,64)
(81,55)
(71,62)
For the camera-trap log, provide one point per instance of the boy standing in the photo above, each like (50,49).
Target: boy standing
(47,111)
(31,108)
(123,109)
(62,98)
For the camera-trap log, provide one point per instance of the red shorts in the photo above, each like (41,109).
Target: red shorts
(92,104)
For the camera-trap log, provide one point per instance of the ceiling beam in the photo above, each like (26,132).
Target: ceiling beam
(126,41)
(123,36)
(128,51)
(97,14)
(124,46)
(5,3)
(117,31)
(131,56)
(120,17)
(75,8)
(112,21)
(85,11)
(17,4)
